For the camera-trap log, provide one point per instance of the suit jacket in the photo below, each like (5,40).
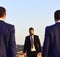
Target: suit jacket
(51,47)
(27,45)
(7,40)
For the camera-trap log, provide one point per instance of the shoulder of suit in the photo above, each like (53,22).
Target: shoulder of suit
(36,35)
(50,28)
(27,36)
(10,26)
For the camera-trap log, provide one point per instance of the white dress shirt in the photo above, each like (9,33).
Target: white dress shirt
(33,49)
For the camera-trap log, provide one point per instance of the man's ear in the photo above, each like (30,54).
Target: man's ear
(4,16)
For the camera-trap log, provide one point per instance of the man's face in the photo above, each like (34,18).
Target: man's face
(31,32)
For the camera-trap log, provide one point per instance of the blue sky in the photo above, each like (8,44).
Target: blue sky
(30,13)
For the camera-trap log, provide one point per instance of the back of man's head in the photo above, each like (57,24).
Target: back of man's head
(31,28)
(2,11)
(57,15)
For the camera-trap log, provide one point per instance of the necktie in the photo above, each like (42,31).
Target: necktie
(32,42)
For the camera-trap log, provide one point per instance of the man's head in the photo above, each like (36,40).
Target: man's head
(57,15)
(2,12)
(31,31)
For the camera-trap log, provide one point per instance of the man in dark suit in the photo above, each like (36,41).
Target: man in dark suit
(32,44)
(51,47)
(7,36)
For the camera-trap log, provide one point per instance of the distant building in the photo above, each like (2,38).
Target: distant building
(19,49)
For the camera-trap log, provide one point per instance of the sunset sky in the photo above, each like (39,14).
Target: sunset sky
(30,13)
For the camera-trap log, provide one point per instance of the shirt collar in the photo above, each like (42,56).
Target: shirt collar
(1,19)
(32,36)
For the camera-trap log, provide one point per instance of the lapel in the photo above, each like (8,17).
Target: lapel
(34,40)
(29,40)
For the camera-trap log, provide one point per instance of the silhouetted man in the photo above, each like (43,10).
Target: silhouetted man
(51,47)
(7,36)
(32,44)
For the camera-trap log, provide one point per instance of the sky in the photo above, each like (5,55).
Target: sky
(30,13)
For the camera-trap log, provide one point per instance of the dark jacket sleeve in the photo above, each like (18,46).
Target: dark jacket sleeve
(39,45)
(46,45)
(25,45)
(12,44)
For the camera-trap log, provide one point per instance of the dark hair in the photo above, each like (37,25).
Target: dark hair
(2,11)
(57,15)
(31,28)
